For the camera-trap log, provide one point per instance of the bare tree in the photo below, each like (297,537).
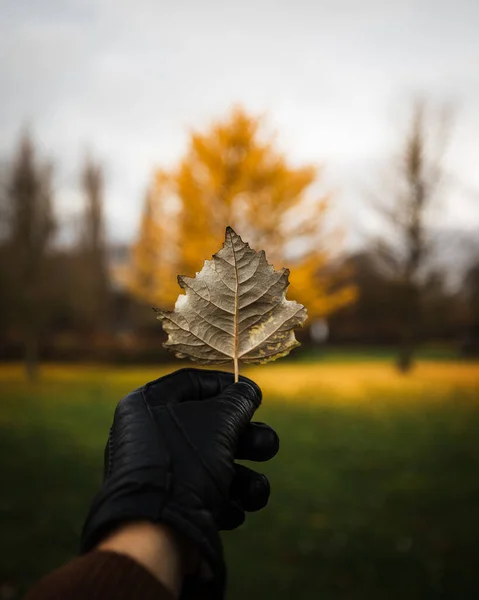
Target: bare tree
(29,232)
(404,247)
(471,293)
(93,268)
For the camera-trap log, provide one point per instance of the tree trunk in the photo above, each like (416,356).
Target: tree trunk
(31,356)
(409,329)
(405,357)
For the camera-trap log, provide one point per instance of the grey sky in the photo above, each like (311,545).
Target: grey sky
(127,79)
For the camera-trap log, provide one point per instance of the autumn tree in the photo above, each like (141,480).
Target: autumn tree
(405,209)
(150,274)
(29,229)
(234,174)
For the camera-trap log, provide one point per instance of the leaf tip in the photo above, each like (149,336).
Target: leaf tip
(159,313)
(231,233)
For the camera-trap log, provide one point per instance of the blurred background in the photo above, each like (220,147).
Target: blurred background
(343,139)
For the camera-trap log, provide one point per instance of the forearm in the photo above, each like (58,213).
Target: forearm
(153,546)
(100,575)
(137,560)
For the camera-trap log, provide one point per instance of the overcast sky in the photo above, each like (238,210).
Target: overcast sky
(127,79)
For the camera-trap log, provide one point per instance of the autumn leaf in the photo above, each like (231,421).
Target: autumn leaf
(235,309)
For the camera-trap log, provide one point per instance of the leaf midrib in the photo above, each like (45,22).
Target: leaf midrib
(236,309)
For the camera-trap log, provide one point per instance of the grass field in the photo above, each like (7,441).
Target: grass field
(375,492)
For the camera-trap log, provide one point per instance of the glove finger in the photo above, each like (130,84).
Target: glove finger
(231,517)
(240,401)
(250,488)
(188,385)
(258,442)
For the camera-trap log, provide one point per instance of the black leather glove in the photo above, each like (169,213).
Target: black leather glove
(170,459)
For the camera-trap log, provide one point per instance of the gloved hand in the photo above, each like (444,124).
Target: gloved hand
(170,459)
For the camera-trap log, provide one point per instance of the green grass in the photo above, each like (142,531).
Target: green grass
(353,354)
(366,504)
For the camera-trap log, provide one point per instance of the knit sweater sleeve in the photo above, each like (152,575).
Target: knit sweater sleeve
(100,575)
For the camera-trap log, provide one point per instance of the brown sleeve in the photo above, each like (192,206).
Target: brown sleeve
(100,575)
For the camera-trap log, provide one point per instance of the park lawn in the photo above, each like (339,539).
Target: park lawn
(375,492)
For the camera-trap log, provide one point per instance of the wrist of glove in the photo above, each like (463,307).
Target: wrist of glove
(170,459)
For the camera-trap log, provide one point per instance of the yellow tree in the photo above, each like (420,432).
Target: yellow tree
(149,276)
(233,174)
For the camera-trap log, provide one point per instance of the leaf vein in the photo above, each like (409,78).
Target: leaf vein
(272,333)
(196,336)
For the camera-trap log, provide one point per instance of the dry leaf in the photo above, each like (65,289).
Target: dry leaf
(235,309)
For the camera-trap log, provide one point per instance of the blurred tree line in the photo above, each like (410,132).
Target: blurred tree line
(57,300)
(85,299)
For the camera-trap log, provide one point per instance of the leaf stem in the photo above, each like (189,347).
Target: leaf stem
(236,369)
